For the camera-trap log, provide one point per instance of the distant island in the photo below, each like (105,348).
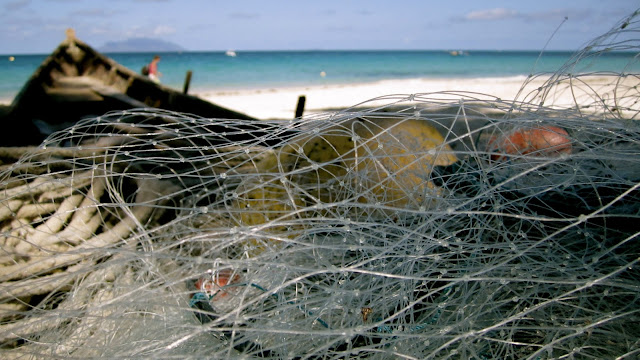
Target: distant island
(140,45)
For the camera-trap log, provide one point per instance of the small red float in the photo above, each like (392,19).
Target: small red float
(213,284)
(543,140)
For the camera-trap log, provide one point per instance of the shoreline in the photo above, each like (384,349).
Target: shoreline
(591,92)
(280,102)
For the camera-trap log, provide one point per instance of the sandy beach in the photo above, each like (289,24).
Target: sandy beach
(280,103)
(594,92)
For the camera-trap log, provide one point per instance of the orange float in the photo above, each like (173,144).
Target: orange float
(213,285)
(543,140)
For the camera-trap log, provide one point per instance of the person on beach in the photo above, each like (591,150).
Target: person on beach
(154,74)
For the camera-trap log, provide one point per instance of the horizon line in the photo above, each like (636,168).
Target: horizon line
(312,50)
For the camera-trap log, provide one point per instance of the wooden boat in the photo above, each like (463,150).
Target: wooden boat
(76,82)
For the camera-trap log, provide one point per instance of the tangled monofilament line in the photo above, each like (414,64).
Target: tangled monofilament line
(448,225)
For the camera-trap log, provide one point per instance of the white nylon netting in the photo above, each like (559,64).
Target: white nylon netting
(448,225)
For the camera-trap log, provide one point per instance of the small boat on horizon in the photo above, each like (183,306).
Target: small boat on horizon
(231,53)
(458,53)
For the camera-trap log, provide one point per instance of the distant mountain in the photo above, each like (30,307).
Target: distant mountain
(140,45)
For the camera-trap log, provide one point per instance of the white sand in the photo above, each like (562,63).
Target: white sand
(266,103)
(595,92)
(281,102)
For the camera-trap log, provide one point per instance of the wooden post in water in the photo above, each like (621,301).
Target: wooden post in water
(300,107)
(187,81)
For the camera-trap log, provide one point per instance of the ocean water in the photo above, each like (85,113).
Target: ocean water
(269,69)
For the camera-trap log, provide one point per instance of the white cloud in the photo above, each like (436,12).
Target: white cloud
(551,15)
(137,31)
(163,30)
(100,30)
(492,14)
(96,12)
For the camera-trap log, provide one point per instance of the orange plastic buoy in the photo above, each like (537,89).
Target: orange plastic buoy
(214,283)
(544,140)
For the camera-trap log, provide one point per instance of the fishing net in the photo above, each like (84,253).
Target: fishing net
(448,225)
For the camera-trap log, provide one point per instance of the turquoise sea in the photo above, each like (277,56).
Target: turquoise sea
(268,69)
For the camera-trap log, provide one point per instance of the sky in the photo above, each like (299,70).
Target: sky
(38,26)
